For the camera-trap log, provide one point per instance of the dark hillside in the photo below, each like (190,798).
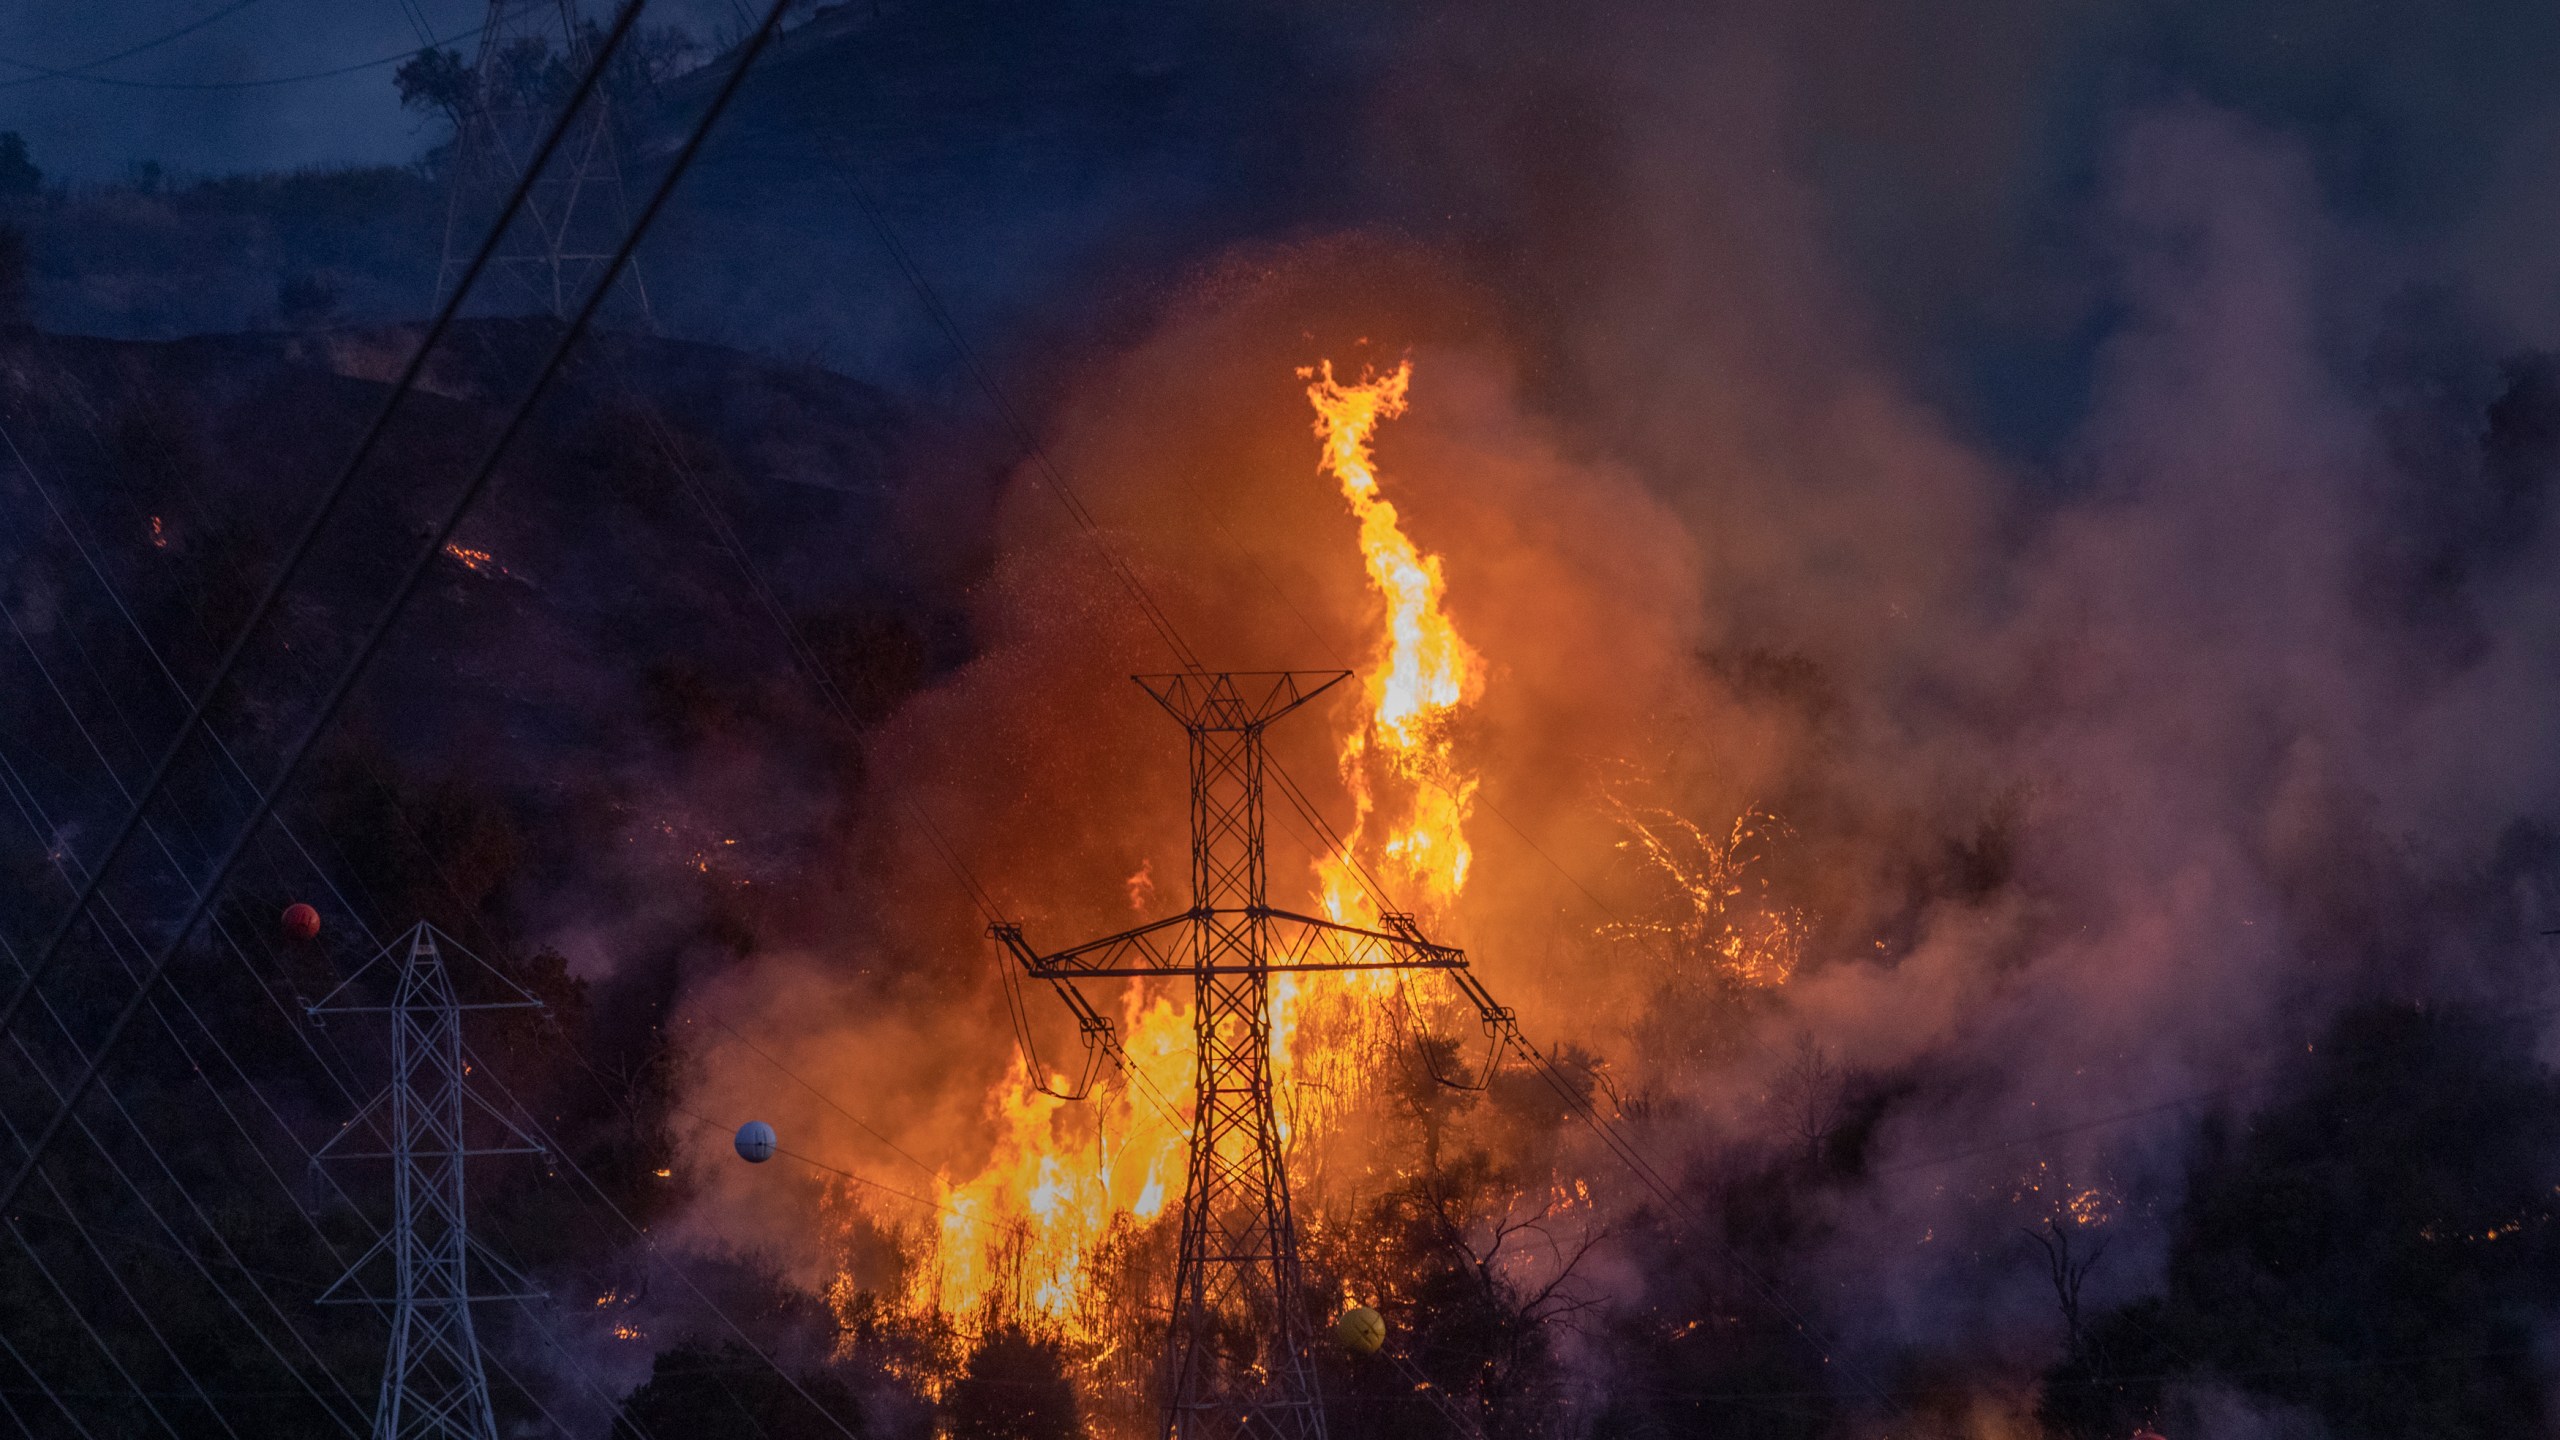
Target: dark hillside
(593,663)
(587,734)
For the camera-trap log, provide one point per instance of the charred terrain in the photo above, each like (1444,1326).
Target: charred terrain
(1961,629)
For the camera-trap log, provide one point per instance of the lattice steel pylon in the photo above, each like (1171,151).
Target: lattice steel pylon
(575,213)
(433,1384)
(1238,1353)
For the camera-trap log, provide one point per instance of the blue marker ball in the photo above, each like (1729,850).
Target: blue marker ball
(755,1142)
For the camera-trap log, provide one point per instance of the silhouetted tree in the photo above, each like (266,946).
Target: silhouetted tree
(2069,1273)
(17,308)
(18,172)
(437,81)
(1015,1388)
(701,1393)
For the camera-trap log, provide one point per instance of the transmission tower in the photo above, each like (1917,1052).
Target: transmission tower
(1236,1277)
(575,213)
(433,1385)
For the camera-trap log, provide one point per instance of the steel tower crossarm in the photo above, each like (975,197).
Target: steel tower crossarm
(1297,943)
(1236,701)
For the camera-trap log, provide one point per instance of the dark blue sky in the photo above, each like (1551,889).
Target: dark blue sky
(96,126)
(1955,162)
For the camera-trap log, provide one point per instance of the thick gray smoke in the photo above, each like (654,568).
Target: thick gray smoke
(2108,767)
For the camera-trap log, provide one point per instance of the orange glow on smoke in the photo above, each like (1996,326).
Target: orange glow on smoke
(1029,1238)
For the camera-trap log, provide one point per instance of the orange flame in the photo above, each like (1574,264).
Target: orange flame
(1019,1241)
(1028,1238)
(478,562)
(1422,672)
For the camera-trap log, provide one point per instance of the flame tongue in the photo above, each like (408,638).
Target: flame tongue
(1031,1238)
(1422,671)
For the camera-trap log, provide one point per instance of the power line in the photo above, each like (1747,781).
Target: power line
(301,547)
(304,1038)
(34,817)
(354,669)
(78,1427)
(115,1362)
(294,1202)
(97,571)
(260,83)
(265,801)
(866,1127)
(1502,1020)
(1618,1145)
(116,1276)
(1024,437)
(805,656)
(79,71)
(533,1127)
(35,820)
(31,810)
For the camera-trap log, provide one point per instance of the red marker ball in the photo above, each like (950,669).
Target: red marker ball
(301,922)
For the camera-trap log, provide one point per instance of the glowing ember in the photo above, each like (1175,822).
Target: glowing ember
(478,562)
(1710,914)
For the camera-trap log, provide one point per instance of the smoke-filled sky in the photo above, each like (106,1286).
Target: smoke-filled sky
(2076,476)
(2051,464)
(2070,469)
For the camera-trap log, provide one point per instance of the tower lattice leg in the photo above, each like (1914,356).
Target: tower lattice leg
(434,1385)
(1237,1355)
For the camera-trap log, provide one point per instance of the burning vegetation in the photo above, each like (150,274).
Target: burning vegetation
(1065,1234)
(1967,934)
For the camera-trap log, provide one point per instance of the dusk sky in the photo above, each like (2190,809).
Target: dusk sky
(206,102)
(1848,721)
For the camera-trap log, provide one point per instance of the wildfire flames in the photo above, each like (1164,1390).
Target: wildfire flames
(478,562)
(1424,671)
(1031,1238)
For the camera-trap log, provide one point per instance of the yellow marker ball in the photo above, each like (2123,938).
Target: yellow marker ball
(1361,1330)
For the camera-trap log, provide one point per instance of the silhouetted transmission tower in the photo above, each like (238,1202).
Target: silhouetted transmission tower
(433,1384)
(1237,1274)
(573,217)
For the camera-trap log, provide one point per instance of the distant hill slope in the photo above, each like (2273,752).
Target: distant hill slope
(216,256)
(594,656)
(586,751)
(1039,161)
